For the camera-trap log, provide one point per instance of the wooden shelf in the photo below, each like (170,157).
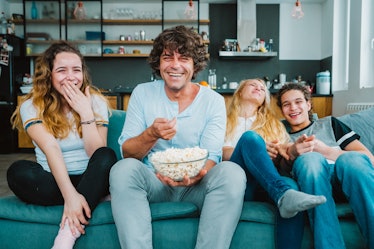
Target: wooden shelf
(247,55)
(201,22)
(97,42)
(39,42)
(126,55)
(132,22)
(43,21)
(118,42)
(149,21)
(83,21)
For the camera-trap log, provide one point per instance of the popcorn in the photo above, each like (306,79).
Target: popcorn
(176,163)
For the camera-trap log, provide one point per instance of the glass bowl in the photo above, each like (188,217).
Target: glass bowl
(177,163)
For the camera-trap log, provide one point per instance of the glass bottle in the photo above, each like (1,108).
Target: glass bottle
(270,45)
(3,23)
(212,79)
(34,11)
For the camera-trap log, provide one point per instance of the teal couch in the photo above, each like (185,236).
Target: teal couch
(174,224)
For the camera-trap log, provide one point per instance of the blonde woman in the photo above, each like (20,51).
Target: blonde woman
(67,119)
(253,138)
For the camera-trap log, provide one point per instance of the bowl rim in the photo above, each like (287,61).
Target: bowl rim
(180,162)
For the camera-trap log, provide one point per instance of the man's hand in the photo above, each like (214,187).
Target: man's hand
(186,182)
(164,128)
(302,145)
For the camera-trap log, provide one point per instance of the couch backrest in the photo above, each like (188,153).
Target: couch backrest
(116,122)
(363,124)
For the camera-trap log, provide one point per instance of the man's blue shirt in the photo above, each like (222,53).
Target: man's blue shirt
(201,124)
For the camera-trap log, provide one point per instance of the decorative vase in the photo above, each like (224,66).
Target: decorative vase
(34,11)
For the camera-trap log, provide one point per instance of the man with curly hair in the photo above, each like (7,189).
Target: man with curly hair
(175,112)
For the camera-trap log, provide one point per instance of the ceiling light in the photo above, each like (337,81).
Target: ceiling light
(297,11)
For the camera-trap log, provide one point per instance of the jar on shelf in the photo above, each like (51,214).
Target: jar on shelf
(212,79)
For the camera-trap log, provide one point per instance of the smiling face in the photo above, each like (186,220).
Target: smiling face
(295,109)
(176,70)
(67,69)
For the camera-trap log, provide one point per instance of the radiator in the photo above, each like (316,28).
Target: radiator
(356,107)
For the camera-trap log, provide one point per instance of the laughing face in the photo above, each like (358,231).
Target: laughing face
(67,69)
(295,109)
(176,70)
(254,91)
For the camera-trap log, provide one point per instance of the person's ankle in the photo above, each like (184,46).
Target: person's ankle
(65,239)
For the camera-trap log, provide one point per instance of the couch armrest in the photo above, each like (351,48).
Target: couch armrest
(116,122)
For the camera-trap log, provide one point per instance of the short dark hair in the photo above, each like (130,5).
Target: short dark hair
(183,40)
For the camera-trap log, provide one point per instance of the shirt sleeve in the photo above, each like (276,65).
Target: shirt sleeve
(135,121)
(214,132)
(29,114)
(343,134)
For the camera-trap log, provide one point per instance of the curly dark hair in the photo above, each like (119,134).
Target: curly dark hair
(298,87)
(183,40)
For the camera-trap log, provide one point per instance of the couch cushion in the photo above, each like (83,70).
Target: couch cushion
(362,123)
(14,209)
(116,121)
(344,210)
(260,212)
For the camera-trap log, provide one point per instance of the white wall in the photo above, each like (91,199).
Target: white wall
(327,28)
(300,39)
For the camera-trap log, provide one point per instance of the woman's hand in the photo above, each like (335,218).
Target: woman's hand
(272,149)
(76,210)
(79,101)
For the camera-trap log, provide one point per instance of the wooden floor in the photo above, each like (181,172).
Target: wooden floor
(5,161)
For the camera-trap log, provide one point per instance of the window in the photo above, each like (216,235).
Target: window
(367,45)
(341,29)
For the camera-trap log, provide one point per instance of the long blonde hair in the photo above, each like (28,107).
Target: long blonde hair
(47,100)
(266,123)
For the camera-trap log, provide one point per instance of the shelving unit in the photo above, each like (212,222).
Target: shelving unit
(85,32)
(36,37)
(247,55)
(179,12)
(64,26)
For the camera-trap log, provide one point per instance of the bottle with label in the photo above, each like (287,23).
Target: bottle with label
(212,79)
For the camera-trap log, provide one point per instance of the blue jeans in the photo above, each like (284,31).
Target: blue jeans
(251,154)
(352,174)
(219,197)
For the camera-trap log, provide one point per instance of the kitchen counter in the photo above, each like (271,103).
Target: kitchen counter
(128,90)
